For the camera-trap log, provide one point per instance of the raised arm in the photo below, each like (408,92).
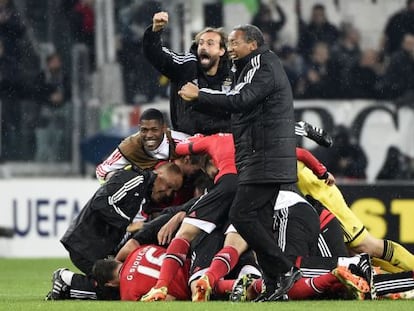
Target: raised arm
(164,60)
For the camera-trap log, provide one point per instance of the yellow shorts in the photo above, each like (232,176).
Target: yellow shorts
(332,199)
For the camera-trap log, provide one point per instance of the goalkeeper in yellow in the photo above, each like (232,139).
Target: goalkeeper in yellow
(319,184)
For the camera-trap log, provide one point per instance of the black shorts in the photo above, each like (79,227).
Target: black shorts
(148,233)
(297,230)
(211,210)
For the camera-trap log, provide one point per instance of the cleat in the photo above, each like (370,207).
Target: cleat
(365,270)
(285,283)
(356,285)
(278,292)
(318,135)
(60,289)
(203,290)
(48,296)
(155,294)
(239,291)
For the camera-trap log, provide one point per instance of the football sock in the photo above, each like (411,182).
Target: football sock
(398,256)
(223,287)
(257,286)
(222,263)
(174,259)
(385,265)
(310,287)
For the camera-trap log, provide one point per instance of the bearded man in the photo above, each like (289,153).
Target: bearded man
(206,64)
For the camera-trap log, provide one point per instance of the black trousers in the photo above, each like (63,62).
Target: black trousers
(252,214)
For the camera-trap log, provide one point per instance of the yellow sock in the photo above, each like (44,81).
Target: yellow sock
(385,265)
(398,256)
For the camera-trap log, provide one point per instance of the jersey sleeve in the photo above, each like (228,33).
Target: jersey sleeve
(122,196)
(114,162)
(167,62)
(192,145)
(311,162)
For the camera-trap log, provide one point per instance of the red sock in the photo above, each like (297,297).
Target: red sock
(325,281)
(223,287)
(310,287)
(174,259)
(255,289)
(222,263)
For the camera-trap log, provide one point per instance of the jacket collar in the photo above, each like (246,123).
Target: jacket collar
(240,63)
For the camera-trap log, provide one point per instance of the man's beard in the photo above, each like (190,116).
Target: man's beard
(212,62)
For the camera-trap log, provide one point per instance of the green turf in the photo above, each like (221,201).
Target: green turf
(25,282)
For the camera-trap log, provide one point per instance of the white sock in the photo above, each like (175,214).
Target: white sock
(66,276)
(346,261)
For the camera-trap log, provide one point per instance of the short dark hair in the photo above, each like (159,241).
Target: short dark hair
(251,33)
(196,159)
(152,114)
(203,182)
(103,270)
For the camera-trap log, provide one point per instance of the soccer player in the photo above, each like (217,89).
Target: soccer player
(141,269)
(152,144)
(99,228)
(390,255)
(140,272)
(207,213)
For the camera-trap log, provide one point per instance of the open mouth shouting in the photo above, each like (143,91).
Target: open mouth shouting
(205,59)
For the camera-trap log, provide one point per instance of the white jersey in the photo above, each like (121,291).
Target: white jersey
(117,161)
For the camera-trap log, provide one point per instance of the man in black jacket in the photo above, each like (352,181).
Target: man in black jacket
(261,108)
(206,65)
(101,225)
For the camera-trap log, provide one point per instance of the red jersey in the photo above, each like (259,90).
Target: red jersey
(311,162)
(141,270)
(220,147)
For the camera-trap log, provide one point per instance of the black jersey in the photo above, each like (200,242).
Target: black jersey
(102,223)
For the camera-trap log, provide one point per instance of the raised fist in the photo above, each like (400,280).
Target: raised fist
(159,21)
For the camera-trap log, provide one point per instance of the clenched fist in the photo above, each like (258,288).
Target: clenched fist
(189,91)
(159,21)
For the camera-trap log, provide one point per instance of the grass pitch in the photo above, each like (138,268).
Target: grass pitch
(25,282)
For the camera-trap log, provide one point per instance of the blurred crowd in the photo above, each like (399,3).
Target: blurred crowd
(327,62)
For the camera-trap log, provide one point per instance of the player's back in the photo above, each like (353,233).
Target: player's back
(141,270)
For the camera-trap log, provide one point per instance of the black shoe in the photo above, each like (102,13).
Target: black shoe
(278,292)
(60,289)
(264,297)
(286,282)
(364,269)
(318,135)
